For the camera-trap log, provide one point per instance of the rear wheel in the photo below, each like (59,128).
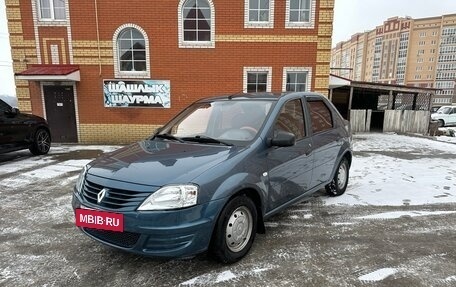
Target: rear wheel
(41,142)
(235,230)
(340,181)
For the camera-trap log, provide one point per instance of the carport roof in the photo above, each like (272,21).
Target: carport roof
(44,72)
(337,81)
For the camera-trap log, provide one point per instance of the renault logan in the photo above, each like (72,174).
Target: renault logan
(208,179)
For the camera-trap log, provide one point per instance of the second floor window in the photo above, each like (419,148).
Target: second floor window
(300,13)
(52,10)
(131,48)
(299,10)
(197,21)
(258,10)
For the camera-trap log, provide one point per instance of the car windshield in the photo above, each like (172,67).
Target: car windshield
(234,121)
(444,110)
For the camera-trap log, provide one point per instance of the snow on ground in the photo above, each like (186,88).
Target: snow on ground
(378,275)
(449,135)
(390,170)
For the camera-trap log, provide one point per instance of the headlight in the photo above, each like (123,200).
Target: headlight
(171,197)
(81,178)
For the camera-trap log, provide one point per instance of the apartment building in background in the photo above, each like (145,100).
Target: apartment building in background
(112,71)
(403,51)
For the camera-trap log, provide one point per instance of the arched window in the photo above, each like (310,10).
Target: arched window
(131,46)
(196,23)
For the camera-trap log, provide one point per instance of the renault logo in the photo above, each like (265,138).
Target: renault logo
(101,195)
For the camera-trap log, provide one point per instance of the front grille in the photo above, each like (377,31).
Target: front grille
(122,239)
(114,198)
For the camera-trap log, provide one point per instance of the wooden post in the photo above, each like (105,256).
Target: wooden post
(330,95)
(350,103)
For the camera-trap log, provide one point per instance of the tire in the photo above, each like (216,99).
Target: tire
(340,181)
(41,142)
(441,123)
(238,216)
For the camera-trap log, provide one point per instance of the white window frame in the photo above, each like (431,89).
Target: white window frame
(287,70)
(258,24)
(130,74)
(268,70)
(300,25)
(52,10)
(180,29)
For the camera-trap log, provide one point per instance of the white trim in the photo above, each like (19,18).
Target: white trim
(300,25)
(258,24)
(258,70)
(308,70)
(130,74)
(180,29)
(35,30)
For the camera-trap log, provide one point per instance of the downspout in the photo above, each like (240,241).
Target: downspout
(98,37)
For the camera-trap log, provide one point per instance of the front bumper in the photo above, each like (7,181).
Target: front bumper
(166,234)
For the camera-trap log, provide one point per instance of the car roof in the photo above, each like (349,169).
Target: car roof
(261,96)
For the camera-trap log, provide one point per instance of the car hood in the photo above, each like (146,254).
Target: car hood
(160,162)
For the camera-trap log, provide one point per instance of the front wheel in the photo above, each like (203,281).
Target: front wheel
(235,230)
(441,123)
(41,142)
(340,181)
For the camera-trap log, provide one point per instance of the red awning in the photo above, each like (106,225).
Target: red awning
(50,73)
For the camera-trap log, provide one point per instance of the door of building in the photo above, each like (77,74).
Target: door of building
(60,113)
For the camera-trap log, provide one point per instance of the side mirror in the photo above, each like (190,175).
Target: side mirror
(282,138)
(12,112)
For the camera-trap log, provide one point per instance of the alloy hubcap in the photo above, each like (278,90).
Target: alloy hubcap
(43,141)
(239,229)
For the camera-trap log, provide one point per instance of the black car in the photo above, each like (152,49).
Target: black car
(22,131)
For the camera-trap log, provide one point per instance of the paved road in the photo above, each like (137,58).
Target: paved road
(313,243)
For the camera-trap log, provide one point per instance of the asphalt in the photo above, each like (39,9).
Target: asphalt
(309,244)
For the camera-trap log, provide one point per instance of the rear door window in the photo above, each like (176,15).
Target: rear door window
(321,116)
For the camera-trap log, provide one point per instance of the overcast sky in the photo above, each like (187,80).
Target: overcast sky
(350,17)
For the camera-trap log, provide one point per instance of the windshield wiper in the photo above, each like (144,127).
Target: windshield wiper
(205,139)
(168,137)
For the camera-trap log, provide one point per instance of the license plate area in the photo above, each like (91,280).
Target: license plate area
(86,217)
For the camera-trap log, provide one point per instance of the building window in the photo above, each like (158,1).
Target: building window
(257,79)
(52,10)
(296,79)
(131,57)
(196,24)
(300,14)
(259,14)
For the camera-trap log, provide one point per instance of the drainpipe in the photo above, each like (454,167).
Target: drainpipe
(98,37)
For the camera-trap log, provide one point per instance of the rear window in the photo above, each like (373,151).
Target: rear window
(321,116)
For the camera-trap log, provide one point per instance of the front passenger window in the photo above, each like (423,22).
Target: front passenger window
(291,119)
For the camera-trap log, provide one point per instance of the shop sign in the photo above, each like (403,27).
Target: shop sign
(136,93)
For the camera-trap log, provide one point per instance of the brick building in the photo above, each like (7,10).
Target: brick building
(113,71)
(404,51)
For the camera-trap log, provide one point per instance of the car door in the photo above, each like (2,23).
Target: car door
(13,127)
(452,116)
(326,140)
(290,168)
